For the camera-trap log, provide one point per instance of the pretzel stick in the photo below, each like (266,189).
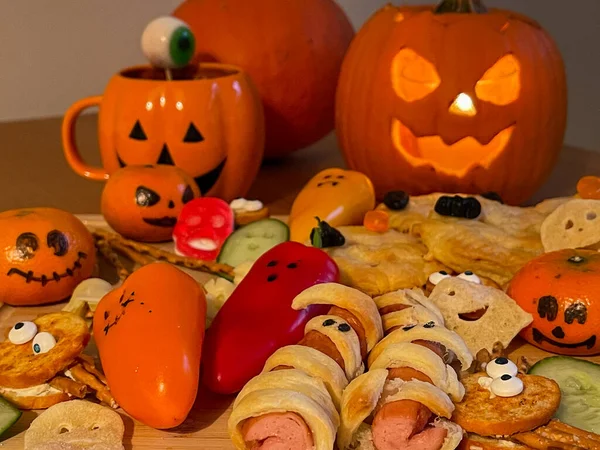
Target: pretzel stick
(92,369)
(69,386)
(102,392)
(539,442)
(134,256)
(565,436)
(221,270)
(105,249)
(86,358)
(558,425)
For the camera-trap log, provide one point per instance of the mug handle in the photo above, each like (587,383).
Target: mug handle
(68,139)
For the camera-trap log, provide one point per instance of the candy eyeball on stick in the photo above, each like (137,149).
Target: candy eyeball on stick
(168,43)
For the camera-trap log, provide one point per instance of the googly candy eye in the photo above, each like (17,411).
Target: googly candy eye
(43,342)
(436,277)
(507,386)
(501,366)
(470,276)
(22,332)
(168,43)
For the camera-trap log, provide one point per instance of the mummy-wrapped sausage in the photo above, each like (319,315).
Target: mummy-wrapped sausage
(295,402)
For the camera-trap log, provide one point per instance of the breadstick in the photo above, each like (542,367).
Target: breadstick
(134,256)
(106,251)
(69,386)
(221,270)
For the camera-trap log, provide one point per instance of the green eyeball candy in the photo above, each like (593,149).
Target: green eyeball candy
(168,43)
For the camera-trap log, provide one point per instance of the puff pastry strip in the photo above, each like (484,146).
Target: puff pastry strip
(358,303)
(291,380)
(408,297)
(425,361)
(414,315)
(268,401)
(315,364)
(444,336)
(346,341)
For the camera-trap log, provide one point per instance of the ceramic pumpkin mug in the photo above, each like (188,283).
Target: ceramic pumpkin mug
(208,120)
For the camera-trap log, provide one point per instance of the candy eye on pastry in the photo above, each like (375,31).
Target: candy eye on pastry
(43,342)
(501,366)
(22,332)
(470,276)
(507,386)
(436,277)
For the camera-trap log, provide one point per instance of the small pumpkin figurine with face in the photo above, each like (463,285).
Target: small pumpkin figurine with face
(46,253)
(336,196)
(561,290)
(143,202)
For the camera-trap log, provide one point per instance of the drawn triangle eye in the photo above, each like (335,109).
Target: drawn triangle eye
(193,135)
(137,132)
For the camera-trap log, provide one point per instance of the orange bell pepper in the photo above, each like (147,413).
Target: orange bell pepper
(338,197)
(149,334)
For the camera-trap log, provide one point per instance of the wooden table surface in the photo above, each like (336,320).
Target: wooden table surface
(34,173)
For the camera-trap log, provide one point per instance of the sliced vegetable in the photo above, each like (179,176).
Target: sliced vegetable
(8,415)
(324,236)
(250,242)
(579,382)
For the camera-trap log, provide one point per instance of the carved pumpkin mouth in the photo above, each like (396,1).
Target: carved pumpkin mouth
(539,337)
(166,222)
(45,279)
(455,159)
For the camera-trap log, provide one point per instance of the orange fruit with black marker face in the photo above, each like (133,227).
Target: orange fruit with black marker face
(561,290)
(46,253)
(143,202)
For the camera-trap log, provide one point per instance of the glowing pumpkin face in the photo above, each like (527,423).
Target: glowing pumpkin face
(454,102)
(46,253)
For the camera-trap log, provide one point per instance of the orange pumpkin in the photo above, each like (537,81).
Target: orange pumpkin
(208,121)
(561,290)
(455,99)
(143,202)
(291,49)
(46,253)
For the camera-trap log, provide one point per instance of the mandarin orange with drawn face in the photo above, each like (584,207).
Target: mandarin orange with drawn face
(143,202)
(338,197)
(46,253)
(457,99)
(561,291)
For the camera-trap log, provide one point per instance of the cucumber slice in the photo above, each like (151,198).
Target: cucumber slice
(579,382)
(8,415)
(249,242)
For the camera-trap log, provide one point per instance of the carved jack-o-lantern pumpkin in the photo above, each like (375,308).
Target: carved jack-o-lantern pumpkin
(561,290)
(456,98)
(144,202)
(46,253)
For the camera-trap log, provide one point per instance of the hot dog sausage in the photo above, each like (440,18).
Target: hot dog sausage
(277,431)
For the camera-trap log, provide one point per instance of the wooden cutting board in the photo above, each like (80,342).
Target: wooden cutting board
(206,426)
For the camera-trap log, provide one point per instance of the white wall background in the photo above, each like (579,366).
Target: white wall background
(53,52)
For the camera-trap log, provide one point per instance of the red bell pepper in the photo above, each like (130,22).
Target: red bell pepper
(258,318)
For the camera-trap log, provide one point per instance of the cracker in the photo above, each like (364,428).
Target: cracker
(502,321)
(575,224)
(76,424)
